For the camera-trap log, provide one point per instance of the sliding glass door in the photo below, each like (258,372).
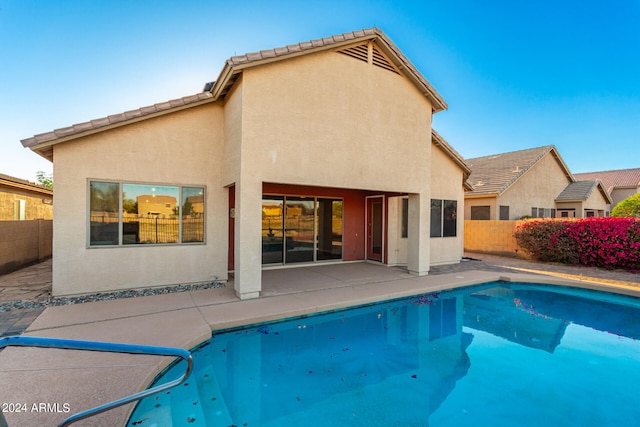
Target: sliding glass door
(329,229)
(272,230)
(301,229)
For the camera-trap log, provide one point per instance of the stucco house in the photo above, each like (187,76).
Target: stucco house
(534,182)
(315,152)
(620,183)
(22,200)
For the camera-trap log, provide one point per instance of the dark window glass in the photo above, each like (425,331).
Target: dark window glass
(329,229)
(481,212)
(405,218)
(103,213)
(450,218)
(504,213)
(436,218)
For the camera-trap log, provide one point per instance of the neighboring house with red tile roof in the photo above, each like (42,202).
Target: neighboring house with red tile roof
(534,182)
(620,184)
(320,151)
(23,200)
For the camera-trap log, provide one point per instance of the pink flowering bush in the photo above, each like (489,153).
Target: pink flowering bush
(598,242)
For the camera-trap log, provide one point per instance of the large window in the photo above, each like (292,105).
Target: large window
(301,229)
(444,215)
(133,214)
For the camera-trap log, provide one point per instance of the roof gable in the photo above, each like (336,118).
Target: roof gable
(496,173)
(581,190)
(384,53)
(380,51)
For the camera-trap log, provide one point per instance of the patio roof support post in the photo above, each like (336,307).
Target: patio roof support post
(247,243)
(418,233)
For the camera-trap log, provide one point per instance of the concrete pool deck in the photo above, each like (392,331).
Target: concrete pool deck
(84,379)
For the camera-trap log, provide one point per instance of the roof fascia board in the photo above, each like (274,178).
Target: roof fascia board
(604,192)
(475,195)
(26,187)
(438,104)
(437,140)
(563,165)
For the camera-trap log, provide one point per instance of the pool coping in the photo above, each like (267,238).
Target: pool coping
(186,320)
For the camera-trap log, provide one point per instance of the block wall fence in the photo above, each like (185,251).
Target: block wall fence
(24,242)
(492,237)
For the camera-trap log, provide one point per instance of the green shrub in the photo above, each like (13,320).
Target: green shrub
(629,207)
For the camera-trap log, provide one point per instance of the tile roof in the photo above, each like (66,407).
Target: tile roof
(579,190)
(612,179)
(496,173)
(93,126)
(11,181)
(42,143)
(236,64)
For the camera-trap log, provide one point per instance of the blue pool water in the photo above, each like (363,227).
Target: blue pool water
(500,354)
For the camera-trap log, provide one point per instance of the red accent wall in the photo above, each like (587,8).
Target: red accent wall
(353,238)
(353,213)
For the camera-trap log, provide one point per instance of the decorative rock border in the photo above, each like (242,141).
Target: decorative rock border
(106,296)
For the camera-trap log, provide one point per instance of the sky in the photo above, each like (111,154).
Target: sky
(515,74)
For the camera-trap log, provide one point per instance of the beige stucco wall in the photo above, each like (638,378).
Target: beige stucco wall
(538,187)
(446,184)
(397,246)
(596,202)
(37,206)
(183,148)
(619,194)
(327,119)
(232,122)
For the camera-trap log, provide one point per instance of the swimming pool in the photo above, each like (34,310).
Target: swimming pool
(498,354)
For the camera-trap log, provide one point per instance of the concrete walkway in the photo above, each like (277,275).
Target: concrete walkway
(31,283)
(82,380)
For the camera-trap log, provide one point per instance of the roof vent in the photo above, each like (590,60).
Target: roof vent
(517,169)
(479,184)
(360,52)
(369,52)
